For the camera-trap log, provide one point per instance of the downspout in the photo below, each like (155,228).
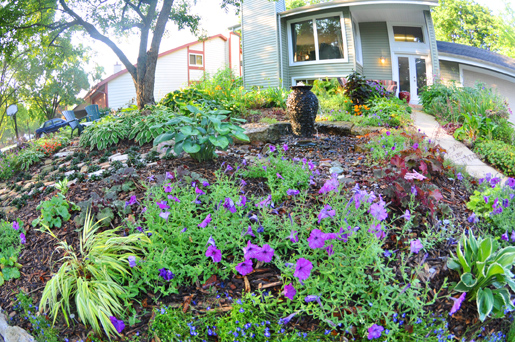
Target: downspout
(281,75)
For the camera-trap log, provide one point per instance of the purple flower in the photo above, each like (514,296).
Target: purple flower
(415,146)
(272,148)
(505,202)
(242,183)
(22,239)
(511,183)
(173,198)
(163,205)
(242,202)
(206,221)
(205,184)
(375,330)
(459,176)
(473,218)
(285,147)
(139,229)
(317,238)
(512,237)
(505,236)
(250,251)
(183,230)
(133,200)
(330,185)
(303,269)
(407,215)
(166,274)
(164,215)
(378,211)
(287,319)
(245,267)
(289,291)
(494,182)
(311,165)
(199,191)
(169,175)
(16,225)
(457,303)
(312,298)
(229,205)
(387,254)
(249,231)
(294,236)
(279,176)
(143,210)
(210,241)
(377,231)
(151,178)
(486,198)
(415,246)
(117,323)
(414,190)
(265,203)
(214,253)
(388,133)
(228,168)
(292,192)
(168,188)
(244,162)
(132,261)
(265,253)
(329,250)
(326,212)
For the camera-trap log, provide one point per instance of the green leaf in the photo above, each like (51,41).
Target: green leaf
(241,136)
(466,283)
(11,273)
(178,148)
(190,147)
(485,249)
(485,303)
(494,270)
(219,141)
(2,281)
(163,137)
(463,261)
(186,130)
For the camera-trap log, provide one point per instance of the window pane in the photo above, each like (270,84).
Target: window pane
(303,41)
(421,74)
(192,59)
(408,34)
(199,60)
(330,40)
(404,80)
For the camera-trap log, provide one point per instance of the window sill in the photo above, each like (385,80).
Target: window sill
(326,61)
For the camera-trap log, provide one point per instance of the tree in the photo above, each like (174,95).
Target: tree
(102,19)
(291,4)
(466,22)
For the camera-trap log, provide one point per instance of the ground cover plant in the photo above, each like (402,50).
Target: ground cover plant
(498,154)
(12,237)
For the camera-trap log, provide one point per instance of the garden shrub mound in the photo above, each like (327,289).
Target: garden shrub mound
(322,261)
(498,154)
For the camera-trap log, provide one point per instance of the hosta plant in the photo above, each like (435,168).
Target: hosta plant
(106,132)
(143,130)
(485,274)
(92,277)
(201,133)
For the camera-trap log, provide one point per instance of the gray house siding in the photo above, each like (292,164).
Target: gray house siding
(318,70)
(449,71)
(260,43)
(286,78)
(375,43)
(432,43)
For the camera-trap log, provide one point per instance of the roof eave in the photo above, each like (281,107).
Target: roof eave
(464,59)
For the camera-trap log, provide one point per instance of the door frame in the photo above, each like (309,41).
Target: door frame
(413,87)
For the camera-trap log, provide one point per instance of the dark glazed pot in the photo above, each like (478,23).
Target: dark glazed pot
(405,95)
(302,107)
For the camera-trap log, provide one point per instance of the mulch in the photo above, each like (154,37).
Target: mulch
(40,257)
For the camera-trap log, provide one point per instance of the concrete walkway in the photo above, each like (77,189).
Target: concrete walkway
(456,151)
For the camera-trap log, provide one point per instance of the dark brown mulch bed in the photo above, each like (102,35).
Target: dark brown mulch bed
(39,255)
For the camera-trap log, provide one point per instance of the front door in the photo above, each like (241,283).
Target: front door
(412,75)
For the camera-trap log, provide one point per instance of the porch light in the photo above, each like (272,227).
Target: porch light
(382,60)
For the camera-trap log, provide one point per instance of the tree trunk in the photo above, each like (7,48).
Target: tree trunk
(145,85)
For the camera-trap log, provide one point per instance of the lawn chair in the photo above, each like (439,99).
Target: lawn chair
(93,113)
(73,122)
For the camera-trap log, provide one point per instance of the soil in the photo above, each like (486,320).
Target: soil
(40,256)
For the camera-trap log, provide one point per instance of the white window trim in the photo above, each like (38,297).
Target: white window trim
(311,77)
(357,42)
(405,47)
(345,58)
(195,65)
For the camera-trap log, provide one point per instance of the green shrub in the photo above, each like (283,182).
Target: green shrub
(327,87)
(107,132)
(28,157)
(7,165)
(481,265)
(360,90)
(388,111)
(10,247)
(499,154)
(142,130)
(54,212)
(201,134)
(92,277)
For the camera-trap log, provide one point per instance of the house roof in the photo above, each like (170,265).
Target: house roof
(124,71)
(334,3)
(476,53)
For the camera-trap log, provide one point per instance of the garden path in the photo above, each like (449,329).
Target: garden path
(456,151)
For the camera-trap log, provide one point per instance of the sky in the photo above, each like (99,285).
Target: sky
(214,21)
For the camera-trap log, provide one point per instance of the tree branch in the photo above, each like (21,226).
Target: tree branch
(136,9)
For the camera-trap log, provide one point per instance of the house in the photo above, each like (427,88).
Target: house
(176,68)
(387,40)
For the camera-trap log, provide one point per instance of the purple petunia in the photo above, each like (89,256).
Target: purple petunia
(407,215)
(229,205)
(505,202)
(242,202)
(326,212)
(173,198)
(377,231)
(285,147)
(169,175)
(206,221)
(505,236)
(329,250)
(457,303)
(374,331)
(166,274)
(378,211)
(330,185)
(459,176)
(251,250)
(303,269)
(279,176)
(214,253)
(294,236)
(205,184)
(249,232)
(511,183)
(272,148)
(415,146)
(211,241)
(473,218)
(414,190)
(512,237)
(199,191)
(287,319)
(292,192)
(165,215)
(163,205)
(117,323)
(416,246)
(317,238)
(245,267)
(23,240)
(16,225)
(132,261)
(289,291)
(168,188)
(265,203)
(264,254)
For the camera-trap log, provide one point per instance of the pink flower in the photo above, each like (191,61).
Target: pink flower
(214,253)
(289,291)
(245,267)
(457,303)
(206,221)
(303,269)
(414,175)
(416,246)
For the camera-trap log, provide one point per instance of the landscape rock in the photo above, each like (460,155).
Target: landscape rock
(47,168)
(119,157)
(265,133)
(84,169)
(13,334)
(336,169)
(48,161)
(96,173)
(365,130)
(62,154)
(341,128)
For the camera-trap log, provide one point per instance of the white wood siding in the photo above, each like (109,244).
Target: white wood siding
(171,73)
(235,54)
(197,47)
(215,56)
(121,92)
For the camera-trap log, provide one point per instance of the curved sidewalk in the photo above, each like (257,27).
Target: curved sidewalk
(456,151)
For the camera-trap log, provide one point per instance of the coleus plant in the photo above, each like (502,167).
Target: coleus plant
(485,274)
(201,133)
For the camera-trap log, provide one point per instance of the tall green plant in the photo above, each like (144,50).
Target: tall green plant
(92,277)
